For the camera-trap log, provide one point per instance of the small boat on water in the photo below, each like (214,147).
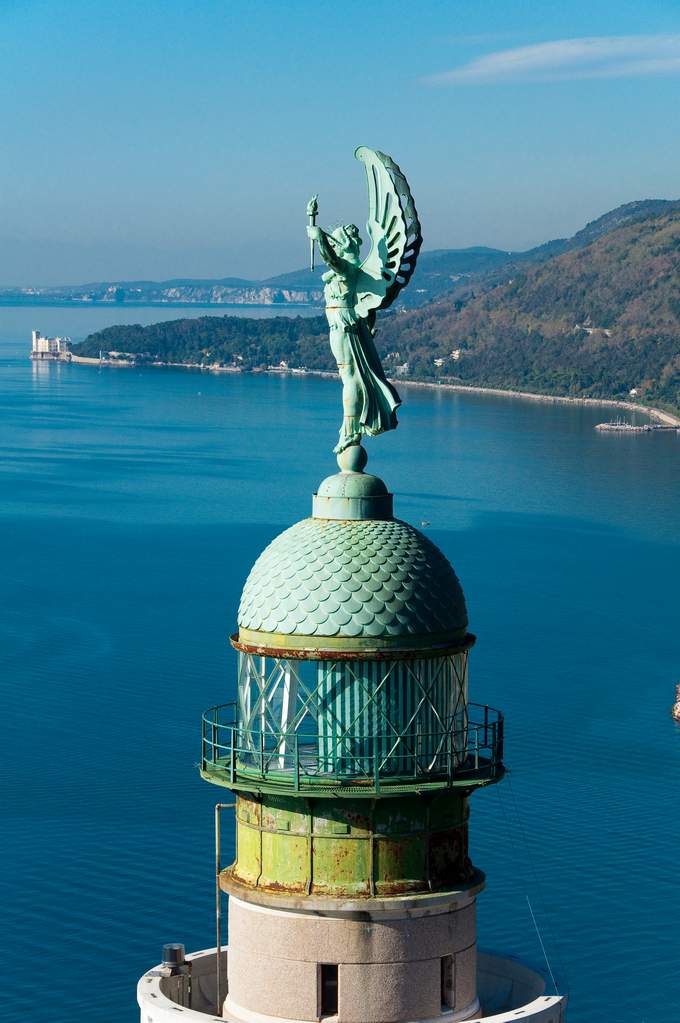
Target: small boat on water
(620,426)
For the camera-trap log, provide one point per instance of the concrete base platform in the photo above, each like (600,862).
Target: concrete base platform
(508,990)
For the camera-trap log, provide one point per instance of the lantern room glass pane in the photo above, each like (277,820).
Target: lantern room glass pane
(353,718)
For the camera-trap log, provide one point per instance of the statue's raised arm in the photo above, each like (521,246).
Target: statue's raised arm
(355,290)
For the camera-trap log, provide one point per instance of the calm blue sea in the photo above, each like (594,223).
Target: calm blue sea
(133,503)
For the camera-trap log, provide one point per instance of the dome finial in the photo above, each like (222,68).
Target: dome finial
(353,458)
(352,493)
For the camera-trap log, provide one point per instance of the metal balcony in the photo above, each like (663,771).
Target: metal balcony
(466,755)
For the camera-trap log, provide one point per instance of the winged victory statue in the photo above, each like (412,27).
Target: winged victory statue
(355,289)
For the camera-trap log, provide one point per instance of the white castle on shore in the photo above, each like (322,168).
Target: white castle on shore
(50,347)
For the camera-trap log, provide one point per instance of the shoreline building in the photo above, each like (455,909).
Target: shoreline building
(352,750)
(50,348)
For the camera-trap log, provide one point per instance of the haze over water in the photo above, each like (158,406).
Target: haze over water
(132,505)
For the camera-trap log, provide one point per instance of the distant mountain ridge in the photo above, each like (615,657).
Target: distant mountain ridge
(438,271)
(629,213)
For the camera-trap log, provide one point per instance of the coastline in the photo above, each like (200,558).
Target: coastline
(659,415)
(667,418)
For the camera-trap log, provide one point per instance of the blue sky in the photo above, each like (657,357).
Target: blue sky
(157,139)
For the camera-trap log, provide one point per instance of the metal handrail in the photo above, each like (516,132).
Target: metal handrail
(299,761)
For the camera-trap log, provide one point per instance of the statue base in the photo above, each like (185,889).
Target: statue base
(353,459)
(352,494)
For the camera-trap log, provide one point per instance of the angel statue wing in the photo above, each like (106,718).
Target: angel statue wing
(394,230)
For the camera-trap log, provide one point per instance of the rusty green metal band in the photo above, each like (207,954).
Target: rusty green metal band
(412,845)
(381,648)
(417,904)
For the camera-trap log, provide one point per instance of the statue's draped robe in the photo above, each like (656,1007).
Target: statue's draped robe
(380,399)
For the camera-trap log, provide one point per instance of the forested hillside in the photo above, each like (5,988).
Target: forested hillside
(596,321)
(237,341)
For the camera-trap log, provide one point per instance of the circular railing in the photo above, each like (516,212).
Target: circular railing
(467,753)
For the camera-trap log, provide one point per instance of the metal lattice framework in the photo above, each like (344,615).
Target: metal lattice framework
(346,715)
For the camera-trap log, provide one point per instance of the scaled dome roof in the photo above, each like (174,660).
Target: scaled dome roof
(362,579)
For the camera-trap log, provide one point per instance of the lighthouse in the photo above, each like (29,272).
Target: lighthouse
(350,748)
(350,752)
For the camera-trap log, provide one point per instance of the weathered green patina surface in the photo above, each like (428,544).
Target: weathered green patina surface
(355,290)
(351,745)
(360,579)
(352,849)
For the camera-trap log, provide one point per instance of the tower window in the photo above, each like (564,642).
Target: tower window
(448,993)
(329,989)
